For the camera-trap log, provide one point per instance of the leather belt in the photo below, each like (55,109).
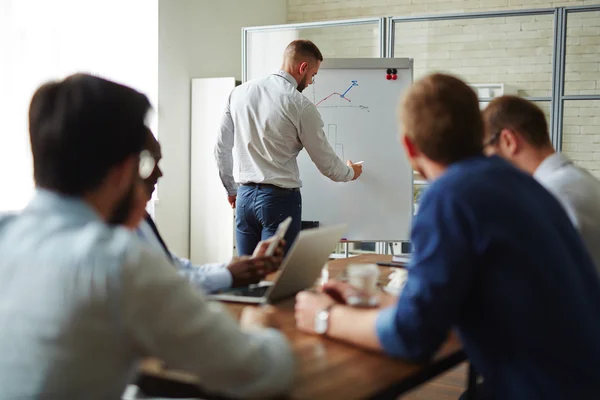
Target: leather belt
(269,186)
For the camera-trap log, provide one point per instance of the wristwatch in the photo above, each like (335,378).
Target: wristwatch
(322,320)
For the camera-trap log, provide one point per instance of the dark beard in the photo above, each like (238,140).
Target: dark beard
(302,84)
(123,208)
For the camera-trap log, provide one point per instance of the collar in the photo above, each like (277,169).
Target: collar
(49,201)
(287,76)
(550,164)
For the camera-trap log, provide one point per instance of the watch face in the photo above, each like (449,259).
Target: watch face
(321,322)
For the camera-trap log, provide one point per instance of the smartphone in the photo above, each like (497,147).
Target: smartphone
(278,236)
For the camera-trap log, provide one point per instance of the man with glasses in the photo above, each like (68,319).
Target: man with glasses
(516,130)
(209,277)
(82,300)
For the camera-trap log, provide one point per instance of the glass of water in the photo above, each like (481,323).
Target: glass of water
(364,278)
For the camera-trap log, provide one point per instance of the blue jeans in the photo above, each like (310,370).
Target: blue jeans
(260,209)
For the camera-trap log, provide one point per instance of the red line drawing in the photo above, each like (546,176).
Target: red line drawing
(339,94)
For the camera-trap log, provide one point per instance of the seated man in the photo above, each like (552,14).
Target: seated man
(495,257)
(82,301)
(516,130)
(209,277)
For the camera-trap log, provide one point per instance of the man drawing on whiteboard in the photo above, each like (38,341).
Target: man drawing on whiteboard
(266,123)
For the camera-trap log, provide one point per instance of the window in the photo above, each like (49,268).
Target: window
(40,41)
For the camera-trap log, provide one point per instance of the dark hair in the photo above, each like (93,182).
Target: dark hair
(303,49)
(519,115)
(440,113)
(80,128)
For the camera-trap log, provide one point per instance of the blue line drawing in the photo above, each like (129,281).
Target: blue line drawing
(354,83)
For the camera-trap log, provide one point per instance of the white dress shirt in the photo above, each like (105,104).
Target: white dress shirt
(266,123)
(208,277)
(579,193)
(82,302)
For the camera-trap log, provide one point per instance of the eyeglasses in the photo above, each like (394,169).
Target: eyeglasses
(492,140)
(147,164)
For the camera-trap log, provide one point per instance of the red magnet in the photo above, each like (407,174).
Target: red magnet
(394,77)
(388,76)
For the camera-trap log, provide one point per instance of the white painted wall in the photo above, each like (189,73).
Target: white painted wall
(197,39)
(211,218)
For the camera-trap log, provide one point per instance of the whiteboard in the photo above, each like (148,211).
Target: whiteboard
(359,110)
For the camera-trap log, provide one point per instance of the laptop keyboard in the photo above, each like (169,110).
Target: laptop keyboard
(254,291)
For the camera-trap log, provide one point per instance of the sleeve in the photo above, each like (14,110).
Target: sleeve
(208,277)
(310,132)
(167,318)
(439,276)
(223,151)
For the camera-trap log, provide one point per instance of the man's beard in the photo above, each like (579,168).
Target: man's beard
(124,207)
(302,84)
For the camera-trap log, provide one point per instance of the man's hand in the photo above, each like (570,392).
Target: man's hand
(258,317)
(307,306)
(231,200)
(277,258)
(341,291)
(246,271)
(357,168)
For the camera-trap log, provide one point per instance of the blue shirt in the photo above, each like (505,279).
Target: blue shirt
(82,302)
(497,258)
(208,277)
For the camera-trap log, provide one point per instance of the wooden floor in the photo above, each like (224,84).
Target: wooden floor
(447,387)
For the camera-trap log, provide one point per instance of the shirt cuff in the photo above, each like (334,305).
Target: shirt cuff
(351,173)
(387,334)
(220,278)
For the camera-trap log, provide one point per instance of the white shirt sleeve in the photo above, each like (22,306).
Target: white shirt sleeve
(168,319)
(208,277)
(313,138)
(223,152)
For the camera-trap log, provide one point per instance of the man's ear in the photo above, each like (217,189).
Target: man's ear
(303,67)
(409,147)
(509,142)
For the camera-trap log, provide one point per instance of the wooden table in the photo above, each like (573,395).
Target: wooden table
(328,369)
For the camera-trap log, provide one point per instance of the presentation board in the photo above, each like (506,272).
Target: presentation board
(358,101)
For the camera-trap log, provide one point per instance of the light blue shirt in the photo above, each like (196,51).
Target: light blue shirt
(208,277)
(82,302)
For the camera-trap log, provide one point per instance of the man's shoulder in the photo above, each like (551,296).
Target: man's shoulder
(97,243)
(575,187)
(572,177)
(275,84)
(469,174)
(480,181)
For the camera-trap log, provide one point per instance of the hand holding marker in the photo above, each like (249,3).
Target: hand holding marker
(356,167)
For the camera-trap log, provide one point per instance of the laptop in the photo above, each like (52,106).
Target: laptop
(299,270)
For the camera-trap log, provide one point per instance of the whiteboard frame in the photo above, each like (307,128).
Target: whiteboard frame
(380,21)
(367,63)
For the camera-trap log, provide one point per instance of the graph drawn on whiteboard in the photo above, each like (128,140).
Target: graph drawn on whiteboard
(332,135)
(327,101)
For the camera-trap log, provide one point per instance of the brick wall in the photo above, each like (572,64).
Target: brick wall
(322,10)
(516,51)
